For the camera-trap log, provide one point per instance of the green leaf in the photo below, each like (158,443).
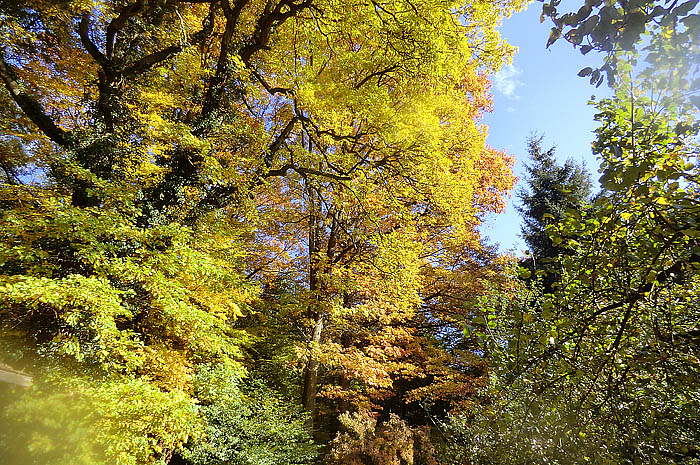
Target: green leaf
(684,8)
(554,34)
(524,273)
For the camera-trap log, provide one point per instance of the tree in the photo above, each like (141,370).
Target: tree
(87,295)
(621,26)
(191,153)
(551,191)
(604,368)
(247,423)
(367,443)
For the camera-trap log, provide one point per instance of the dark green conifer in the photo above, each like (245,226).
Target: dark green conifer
(551,189)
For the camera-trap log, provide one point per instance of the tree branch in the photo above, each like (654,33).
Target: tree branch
(379,73)
(673,273)
(84,32)
(148,61)
(304,172)
(211,98)
(118,23)
(279,140)
(267,23)
(270,90)
(30,106)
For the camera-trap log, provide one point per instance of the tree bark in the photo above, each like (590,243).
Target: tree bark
(311,372)
(308,396)
(30,106)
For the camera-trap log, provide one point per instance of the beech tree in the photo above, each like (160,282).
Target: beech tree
(188,154)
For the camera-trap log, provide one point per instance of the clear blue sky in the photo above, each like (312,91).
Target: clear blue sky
(540,92)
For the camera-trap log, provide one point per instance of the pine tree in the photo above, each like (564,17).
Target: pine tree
(551,189)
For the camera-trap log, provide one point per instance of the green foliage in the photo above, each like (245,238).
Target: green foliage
(329,153)
(47,426)
(86,292)
(604,368)
(671,29)
(64,418)
(193,153)
(551,191)
(247,423)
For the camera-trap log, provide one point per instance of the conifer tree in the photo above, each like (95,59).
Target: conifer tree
(551,190)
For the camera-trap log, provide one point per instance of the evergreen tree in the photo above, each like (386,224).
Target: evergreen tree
(551,190)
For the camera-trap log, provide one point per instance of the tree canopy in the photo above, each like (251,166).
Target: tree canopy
(600,365)
(248,232)
(190,185)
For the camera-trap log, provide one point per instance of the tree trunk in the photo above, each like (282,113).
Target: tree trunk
(308,396)
(311,372)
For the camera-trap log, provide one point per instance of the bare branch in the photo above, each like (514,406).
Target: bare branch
(304,172)
(269,21)
(280,139)
(148,61)
(270,90)
(84,32)
(379,73)
(212,96)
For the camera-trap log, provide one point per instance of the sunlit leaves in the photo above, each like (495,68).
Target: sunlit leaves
(324,155)
(609,356)
(612,27)
(89,290)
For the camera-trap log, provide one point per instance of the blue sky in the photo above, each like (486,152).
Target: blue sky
(540,92)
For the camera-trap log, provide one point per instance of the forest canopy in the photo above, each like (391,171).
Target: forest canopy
(248,232)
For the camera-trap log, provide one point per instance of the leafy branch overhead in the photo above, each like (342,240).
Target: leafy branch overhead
(673,28)
(248,231)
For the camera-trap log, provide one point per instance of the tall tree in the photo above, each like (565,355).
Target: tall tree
(551,190)
(192,151)
(604,368)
